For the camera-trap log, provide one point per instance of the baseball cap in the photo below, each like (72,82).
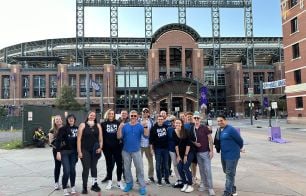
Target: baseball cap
(196,114)
(145,109)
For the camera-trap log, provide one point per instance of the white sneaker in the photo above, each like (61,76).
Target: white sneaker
(189,189)
(66,192)
(109,185)
(73,191)
(211,192)
(184,187)
(120,185)
(56,186)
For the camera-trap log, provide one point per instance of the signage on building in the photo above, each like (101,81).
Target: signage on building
(250,92)
(274,105)
(274,84)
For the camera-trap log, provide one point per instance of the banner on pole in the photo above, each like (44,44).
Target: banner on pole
(203,98)
(95,85)
(274,84)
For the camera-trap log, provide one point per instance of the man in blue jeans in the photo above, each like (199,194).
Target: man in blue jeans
(231,145)
(159,145)
(131,133)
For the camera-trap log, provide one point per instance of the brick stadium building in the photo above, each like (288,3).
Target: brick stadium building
(294,32)
(163,70)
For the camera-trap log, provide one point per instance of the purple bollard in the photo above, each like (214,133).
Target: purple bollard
(275,135)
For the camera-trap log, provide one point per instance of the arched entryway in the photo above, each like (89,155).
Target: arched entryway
(175,95)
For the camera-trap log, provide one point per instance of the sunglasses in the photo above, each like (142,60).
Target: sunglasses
(133,116)
(196,118)
(160,119)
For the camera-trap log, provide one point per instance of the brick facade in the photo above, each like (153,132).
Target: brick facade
(292,35)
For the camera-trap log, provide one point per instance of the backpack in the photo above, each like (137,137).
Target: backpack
(217,142)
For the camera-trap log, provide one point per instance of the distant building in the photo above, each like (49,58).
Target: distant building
(163,70)
(294,34)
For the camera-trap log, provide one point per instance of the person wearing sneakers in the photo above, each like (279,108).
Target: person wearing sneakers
(89,145)
(66,148)
(145,146)
(183,154)
(57,123)
(204,148)
(231,146)
(112,148)
(171,142)
(131,134)
(159,145)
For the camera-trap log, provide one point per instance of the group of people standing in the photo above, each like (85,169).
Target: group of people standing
(183,143)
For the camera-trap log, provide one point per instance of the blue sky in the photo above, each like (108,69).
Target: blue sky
(31,20)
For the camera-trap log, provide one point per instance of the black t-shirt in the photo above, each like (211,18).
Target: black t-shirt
(182,143)
(110,129)
(159,137)
(67,138)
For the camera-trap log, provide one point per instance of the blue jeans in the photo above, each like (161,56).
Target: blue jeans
(184,171)
(205,168)
(229,168)
(137,160)
(162,159)
(69,159)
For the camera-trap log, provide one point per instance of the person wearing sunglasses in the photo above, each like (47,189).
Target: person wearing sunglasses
(204,151)
(131,134)
(145,146)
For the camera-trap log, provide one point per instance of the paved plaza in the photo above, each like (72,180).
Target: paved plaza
(266,168)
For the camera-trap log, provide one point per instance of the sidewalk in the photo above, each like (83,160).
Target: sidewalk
(266,168)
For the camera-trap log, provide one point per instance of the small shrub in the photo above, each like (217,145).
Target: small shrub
(14,144)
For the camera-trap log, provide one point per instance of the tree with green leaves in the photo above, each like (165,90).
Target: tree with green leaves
(67,100)
(3,111)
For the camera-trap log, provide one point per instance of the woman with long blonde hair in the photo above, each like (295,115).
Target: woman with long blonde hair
(57,123)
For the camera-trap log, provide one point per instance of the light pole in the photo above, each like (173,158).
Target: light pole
(250,94)
(269,109)
(14,77)
(129,66)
